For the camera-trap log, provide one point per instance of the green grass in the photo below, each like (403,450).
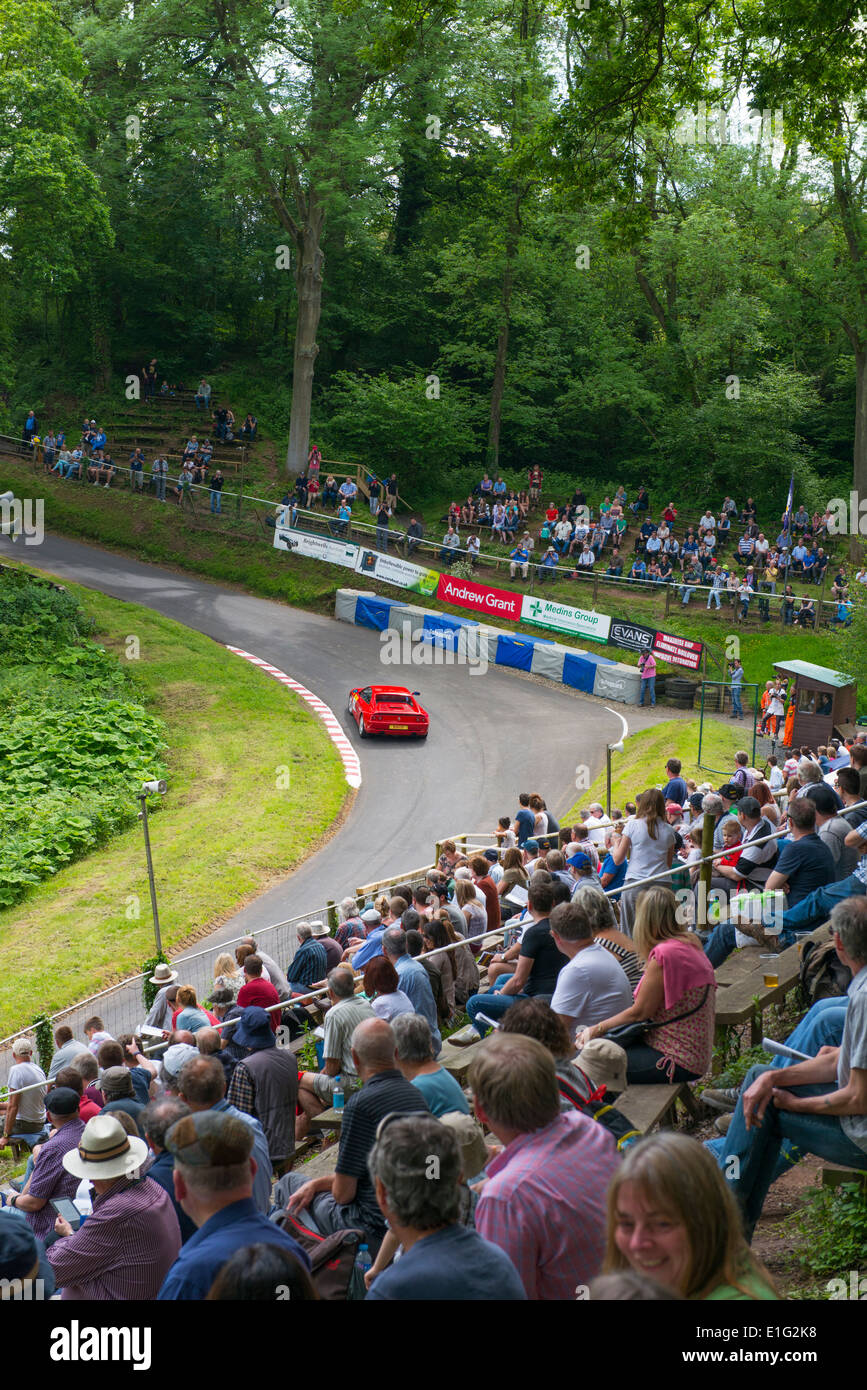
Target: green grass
(642,763)
(224,833)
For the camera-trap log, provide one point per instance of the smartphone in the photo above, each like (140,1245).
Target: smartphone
(68,1210)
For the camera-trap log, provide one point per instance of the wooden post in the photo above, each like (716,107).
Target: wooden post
(332,914)
(707,830)
(668,589)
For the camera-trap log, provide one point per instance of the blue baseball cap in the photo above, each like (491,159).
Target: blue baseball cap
(580,861)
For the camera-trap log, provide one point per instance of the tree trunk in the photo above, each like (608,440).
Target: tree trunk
(308,282)
(859,452)
(499,381)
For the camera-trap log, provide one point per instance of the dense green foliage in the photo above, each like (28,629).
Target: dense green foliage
(510,201)
(75,742)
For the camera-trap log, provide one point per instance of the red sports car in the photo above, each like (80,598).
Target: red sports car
(388,709)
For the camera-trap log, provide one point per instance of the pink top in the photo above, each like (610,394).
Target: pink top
(648,667)
(688,979)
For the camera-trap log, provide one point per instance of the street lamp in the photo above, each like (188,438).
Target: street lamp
(613,748)
(158,788)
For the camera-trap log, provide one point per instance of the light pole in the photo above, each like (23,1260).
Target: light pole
(160,789)
(613,748)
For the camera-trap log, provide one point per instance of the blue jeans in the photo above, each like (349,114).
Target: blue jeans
(737,707)
(160,480)
(720,943)
(382,538)
(685,591)
(816,907)
(713,595)
(494,1004)
(648,686)
(758,1150)
(216,497)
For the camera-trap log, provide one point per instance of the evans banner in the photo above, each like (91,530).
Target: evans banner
(632,636)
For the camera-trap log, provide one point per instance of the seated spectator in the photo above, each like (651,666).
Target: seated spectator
(450,547)
(46,1179)
(95,1032)
(551,1166)
(519,558)
(413,979)
(127,1245)
(671,1218)
(316,1089)
(141,1069)
(256,990)
(382,988)
(213,1179)
(676,992)
(347,1199)
(202,1084)
(157,1120)
(227,975)
(309,964)
(548,564)
(189,1015)
(818,1106)
(417,1062)
(538,964)
(421,1201)
(265,1083)
(116,1085)
(593,986)
(255,1271)
(66,1048)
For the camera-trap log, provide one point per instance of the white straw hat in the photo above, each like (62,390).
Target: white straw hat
(105,1150)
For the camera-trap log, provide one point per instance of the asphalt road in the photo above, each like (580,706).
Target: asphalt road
(491,735)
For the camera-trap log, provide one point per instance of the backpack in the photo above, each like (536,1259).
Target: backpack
(333,1267)
(591,1102)
(822,974)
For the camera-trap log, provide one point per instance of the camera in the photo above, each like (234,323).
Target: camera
(154,788)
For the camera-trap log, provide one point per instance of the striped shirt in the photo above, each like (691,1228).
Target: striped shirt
(544,1204)
(124,1249)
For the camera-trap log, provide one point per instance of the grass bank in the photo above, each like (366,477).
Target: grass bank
(226,831)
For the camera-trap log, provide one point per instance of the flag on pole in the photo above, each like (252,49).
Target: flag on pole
(787,518)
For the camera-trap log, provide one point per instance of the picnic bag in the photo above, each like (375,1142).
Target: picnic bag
(591,1101)
(333,1267)
(822,974)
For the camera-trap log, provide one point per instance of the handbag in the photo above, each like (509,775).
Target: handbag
(628,1033)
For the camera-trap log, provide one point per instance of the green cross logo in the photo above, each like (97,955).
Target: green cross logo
(535,608)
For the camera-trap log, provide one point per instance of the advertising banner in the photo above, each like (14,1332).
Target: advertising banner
(678,650)
(632,636)
(559,617)
(335,551)
(392,570)
(465,593)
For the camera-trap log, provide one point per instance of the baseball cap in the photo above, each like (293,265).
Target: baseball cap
(19,1252)
(210,1139)
(580,861)
(530,844)
(823,798)
(62,1101)
(176,1055)
(673,806)
(370,915)
(750,806)
(491,855)
(731,791)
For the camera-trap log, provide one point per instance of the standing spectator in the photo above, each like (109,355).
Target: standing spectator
(216,486)
(413,979)
(24,1111)
(203,396)
(126,1246)
(648,842)
(382,518)
(421,1201)
(160,473)
(736,679)
(213,1180)
(160,1013)
(552,1166)
(29,429)
(647,667)
(414,534)
(265,1083)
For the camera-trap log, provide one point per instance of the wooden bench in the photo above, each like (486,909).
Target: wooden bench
(329,1119)
(833,1176)
(323,1165)
(647,1106)
(743,996)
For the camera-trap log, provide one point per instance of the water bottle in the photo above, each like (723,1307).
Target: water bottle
(338,1095)
(363,1260)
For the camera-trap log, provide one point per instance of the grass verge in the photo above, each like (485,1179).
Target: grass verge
(227,829)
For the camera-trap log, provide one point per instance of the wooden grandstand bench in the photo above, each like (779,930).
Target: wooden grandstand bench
(648,1106)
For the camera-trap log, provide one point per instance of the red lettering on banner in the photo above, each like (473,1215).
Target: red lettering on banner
(465,593)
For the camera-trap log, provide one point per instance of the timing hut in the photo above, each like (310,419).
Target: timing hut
(824,702)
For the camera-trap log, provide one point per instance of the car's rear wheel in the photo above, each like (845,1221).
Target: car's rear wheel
(361,728)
